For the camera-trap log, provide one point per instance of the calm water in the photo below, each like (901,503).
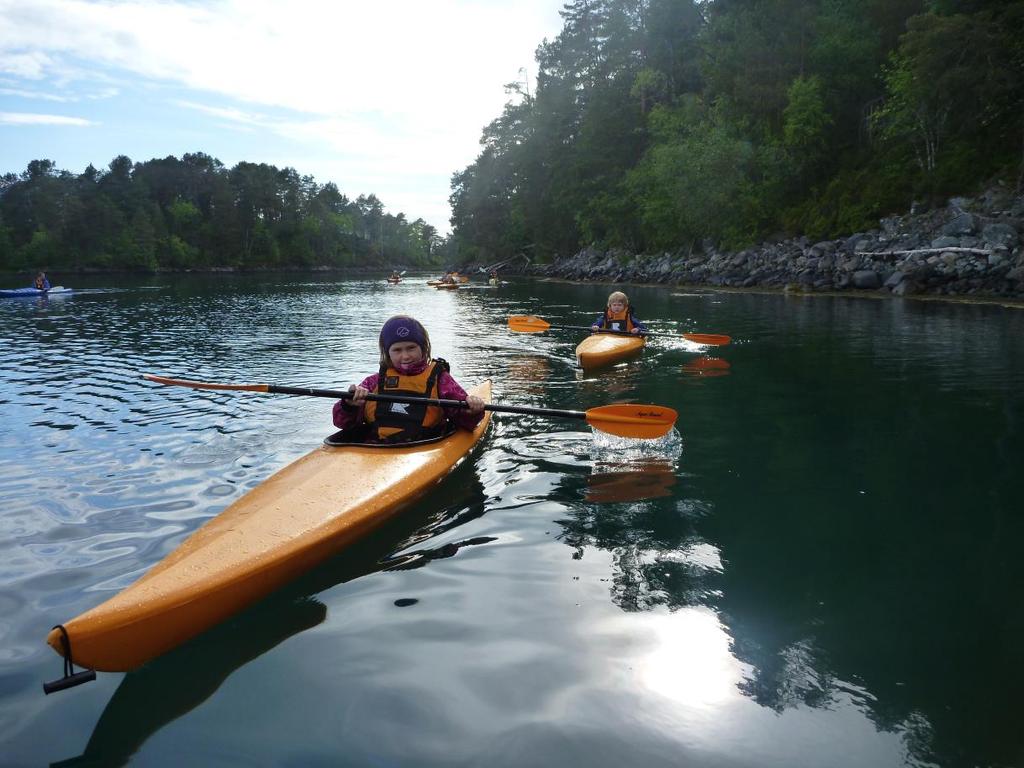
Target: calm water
(822,568)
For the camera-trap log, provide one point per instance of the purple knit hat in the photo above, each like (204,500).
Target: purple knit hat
(402,328)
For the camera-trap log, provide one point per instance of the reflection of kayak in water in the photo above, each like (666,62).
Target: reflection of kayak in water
(164,690)
(297,518)
(16,292)
(394,280)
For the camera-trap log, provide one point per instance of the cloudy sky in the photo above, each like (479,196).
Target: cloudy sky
(382,96)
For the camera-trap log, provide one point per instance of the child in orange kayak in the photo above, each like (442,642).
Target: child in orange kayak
(406,368)
(618,316)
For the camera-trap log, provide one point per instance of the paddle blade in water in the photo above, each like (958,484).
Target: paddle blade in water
(710,339)
(631,420)
(527,324)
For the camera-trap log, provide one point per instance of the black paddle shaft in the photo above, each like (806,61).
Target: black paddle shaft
(609,330)
(345,395)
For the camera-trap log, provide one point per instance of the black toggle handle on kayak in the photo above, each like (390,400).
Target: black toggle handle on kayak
(71,678)
(69,681)
(345,395)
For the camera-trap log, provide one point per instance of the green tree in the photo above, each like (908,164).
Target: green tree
(806,121)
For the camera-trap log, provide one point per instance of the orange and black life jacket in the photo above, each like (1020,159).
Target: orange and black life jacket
(405,422)
(618,321)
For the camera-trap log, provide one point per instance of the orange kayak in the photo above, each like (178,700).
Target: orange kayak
(447,286)
(601,349)
(297,518)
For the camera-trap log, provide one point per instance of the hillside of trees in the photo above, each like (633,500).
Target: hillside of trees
(194,213)
(662,124)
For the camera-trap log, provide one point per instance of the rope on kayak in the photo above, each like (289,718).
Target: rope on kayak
(71,678)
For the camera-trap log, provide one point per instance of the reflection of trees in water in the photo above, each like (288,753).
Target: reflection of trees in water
(881,579)
(838,602)
(675,578)
(660,559)
(786,677)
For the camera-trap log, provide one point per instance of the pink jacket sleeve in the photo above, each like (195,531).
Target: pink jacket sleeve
(344,415)
(449,389)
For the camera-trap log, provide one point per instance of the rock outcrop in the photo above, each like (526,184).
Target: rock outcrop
(969,248)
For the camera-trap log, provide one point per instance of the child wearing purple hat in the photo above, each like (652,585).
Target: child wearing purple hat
(407,369)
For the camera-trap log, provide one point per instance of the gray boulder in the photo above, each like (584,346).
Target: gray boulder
(963,224)
(866,278)
(894,279)
(1000,234)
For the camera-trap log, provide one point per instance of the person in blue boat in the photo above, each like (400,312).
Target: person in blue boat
(41,283)
(618,316)
(406,368)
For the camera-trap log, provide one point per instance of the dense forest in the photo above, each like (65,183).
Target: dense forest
(651,125)
(665,124)
(194,213)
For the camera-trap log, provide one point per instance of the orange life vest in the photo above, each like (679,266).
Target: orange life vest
(405,422)
(618,321)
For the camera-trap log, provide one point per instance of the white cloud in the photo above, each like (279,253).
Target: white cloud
(31,66)
(401,56)
(105,93)
(393,89)
(27,118)
(227,113)
(32,95)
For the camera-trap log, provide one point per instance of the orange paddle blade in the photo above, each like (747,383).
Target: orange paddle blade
(527,324)
(631,420)
(711,339)
(205,385)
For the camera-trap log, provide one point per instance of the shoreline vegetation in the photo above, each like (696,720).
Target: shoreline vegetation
(658,142)
(695,130)
(968,250)
(193,213)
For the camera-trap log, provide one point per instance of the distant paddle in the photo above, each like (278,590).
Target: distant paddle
(625,420)
(534,324)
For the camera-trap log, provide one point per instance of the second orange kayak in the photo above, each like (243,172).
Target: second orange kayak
(601,349)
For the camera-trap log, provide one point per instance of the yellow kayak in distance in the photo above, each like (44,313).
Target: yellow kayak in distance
(303,514)
(602,349)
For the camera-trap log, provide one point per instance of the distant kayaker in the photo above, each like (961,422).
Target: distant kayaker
(406,368)
(618,316)
(395,276)
(41,283)
(449,278)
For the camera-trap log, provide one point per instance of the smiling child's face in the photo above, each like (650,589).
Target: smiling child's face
(405,353)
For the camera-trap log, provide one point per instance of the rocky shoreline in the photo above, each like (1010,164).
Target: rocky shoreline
(969,248)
